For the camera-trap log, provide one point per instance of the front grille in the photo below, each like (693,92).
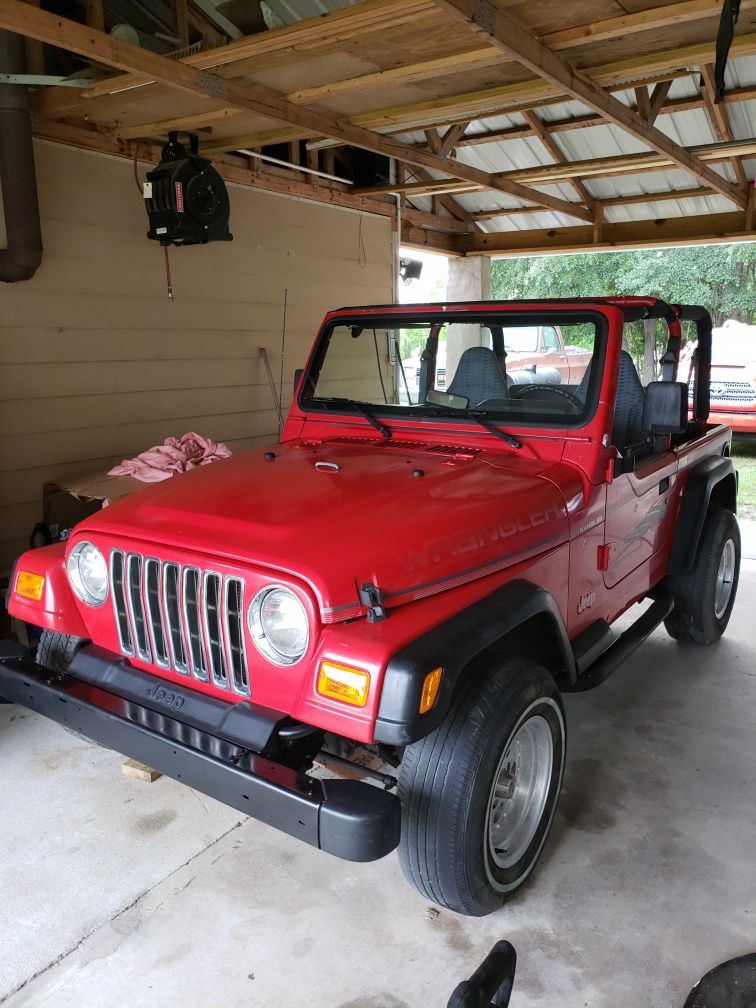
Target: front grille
(739,392)
(181,618)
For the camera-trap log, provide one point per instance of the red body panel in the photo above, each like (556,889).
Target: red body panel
(438,517)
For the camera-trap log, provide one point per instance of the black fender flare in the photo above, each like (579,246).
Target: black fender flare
(716,471)
(454,643)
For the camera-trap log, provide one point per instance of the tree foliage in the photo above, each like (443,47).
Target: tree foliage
(722,278)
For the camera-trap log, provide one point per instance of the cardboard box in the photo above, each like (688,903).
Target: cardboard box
(66,503)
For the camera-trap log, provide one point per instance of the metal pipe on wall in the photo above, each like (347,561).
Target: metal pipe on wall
(21,257)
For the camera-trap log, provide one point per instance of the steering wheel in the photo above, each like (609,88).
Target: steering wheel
(537,391)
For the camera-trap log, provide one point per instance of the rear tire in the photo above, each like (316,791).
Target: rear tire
(479,793)
(704,597)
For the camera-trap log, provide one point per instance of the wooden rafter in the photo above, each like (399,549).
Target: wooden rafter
(656,233)
(602,167)
(263,177)
(505,33)
(651,197)
(719,118)
(373,15)
(451,138)
(45,27)
(656,100)
(594,119)
(505,98)
(555,151)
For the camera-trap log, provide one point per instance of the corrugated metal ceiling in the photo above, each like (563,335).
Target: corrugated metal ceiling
(689,128)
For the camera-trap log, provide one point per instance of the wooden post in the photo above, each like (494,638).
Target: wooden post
(598,223)
(751,208)
(95,15)
(181,8)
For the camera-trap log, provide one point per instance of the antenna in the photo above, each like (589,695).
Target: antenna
(283,347)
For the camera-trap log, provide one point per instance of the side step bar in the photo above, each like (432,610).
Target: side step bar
(600,668)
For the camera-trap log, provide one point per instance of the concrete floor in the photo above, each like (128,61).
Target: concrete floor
(117,892)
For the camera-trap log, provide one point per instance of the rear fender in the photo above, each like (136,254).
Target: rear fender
(57,609)
(713,481)
(515,620)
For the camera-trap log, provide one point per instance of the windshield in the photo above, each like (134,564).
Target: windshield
(531,371)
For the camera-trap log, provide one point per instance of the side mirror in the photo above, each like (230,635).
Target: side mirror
(665,409)
(297,378)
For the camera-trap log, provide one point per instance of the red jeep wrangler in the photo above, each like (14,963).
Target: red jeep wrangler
(419,575)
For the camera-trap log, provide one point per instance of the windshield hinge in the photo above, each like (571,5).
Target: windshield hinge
(370,596)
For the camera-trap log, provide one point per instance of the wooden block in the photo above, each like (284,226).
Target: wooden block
(137,770)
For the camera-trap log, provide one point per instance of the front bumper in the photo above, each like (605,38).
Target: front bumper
(347,818)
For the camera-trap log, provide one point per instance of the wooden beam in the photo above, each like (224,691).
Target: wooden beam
(659,197)
(95,15)
(594,119)
(719,118)
(628,164)
(643,103)
(433,141)
(424,188)
(525,94)
(476,139)
(657,99)
(339,26)
(160,127)
(488,21)
(17,16)
(651,197)
(450,205)
(623,164)
(451,138)
(181,9)
(660,233)
(556,152)
(435,241)
(265,178)
(418,218)
(641,21)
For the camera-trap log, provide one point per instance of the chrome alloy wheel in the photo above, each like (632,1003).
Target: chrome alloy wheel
(725,579)
(519,792)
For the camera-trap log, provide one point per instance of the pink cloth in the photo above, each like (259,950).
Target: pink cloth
(174,455)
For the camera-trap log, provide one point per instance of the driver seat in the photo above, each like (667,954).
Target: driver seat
(479,377)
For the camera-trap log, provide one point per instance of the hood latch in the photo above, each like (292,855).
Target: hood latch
(370,596)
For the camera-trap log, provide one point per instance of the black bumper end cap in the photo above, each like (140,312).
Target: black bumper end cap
(358,822)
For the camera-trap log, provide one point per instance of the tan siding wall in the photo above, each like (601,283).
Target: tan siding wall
(97,365)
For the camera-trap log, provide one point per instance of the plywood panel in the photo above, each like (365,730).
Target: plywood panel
(97,365)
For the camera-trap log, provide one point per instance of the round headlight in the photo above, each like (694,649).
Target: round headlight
(278,623)
(88,573)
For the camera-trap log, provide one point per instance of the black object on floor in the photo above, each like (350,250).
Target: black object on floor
(731,985)
(490,986)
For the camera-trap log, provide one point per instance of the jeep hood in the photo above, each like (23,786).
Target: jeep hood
(412,519)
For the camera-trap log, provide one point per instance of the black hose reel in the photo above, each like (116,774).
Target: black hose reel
(186,199)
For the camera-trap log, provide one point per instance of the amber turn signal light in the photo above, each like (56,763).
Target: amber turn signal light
(30,585)
(340,682)
(431,685)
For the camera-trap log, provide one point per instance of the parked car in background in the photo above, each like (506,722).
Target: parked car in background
(733,375)
(543,347)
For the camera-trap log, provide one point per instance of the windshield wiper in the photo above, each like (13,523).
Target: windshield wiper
(512,441)
(479,418)
(359,407)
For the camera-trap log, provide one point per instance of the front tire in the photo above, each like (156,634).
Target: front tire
(56,650)
(704,597)
(479,793)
